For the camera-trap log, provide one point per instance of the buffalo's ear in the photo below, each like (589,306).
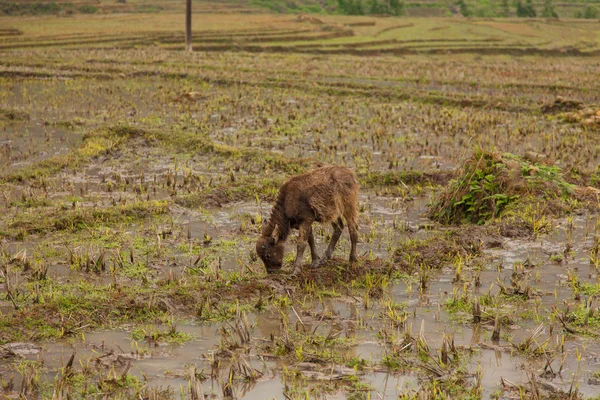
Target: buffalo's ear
(275,234)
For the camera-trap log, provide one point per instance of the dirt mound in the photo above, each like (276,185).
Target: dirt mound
(445,247)
(488,182)
(433,253)
(337,271)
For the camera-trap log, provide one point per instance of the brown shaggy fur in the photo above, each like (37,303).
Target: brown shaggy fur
(324,195)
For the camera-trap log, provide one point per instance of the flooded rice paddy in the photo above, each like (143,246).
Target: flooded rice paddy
(134,185)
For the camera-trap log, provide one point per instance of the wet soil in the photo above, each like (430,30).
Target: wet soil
(163,364)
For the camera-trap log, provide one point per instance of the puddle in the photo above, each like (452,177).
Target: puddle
(390,386)
(22,144)
(161,363)
(222,222)
(495,365)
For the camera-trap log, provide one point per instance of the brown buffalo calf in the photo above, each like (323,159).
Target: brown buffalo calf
(324,195)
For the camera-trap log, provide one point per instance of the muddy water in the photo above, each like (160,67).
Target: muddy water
(549,278)
(167,365)
(22,144)
(223,220)
(392,220)
(431,316)
(162,364)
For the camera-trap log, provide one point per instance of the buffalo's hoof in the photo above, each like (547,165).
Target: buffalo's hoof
(322,262)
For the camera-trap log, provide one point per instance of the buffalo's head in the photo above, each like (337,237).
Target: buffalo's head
(270,250)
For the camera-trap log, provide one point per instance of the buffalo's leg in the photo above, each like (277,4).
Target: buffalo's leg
(303,238)
(338,226)
(353,229)
(313,249)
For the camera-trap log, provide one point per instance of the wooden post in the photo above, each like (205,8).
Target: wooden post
(188,25)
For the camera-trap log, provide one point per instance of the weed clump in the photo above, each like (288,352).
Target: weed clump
(488,182)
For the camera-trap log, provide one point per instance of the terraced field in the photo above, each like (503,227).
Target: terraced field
(365,36)
(136,177)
